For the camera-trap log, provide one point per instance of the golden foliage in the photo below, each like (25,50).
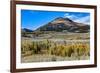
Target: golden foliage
(53,48)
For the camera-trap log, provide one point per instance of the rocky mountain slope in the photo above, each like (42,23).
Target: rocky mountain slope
(64,24)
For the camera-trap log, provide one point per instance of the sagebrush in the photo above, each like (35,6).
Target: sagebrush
(53,48)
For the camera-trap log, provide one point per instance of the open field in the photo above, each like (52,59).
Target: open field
(55,47)
(58,35)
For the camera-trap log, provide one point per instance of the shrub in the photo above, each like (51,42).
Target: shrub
(53,48)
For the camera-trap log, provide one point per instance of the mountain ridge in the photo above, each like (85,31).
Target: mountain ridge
(61,24)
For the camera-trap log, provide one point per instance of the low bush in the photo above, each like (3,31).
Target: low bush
(54,48)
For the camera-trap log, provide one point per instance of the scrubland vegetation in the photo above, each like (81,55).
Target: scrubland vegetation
(64,49)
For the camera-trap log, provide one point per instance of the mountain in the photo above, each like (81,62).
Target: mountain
(26,30)
(64,24)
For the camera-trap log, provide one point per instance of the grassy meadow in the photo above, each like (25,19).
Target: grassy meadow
(55,47)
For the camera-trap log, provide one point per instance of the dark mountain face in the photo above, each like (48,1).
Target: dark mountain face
(64,24)
(26,30)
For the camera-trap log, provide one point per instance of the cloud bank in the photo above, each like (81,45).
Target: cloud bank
(81,18)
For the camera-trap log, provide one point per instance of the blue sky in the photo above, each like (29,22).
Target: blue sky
(33,19)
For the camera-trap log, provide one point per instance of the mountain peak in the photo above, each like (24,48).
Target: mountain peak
(60,24)
(62,18)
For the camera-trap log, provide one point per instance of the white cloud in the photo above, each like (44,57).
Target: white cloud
(85,20)
(76,18)
(71,16)
(65,15)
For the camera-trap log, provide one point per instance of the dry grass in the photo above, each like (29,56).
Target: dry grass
(52,48)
